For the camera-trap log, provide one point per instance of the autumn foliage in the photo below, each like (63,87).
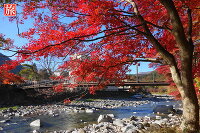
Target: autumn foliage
(107,35)
(100,39)
(7,77)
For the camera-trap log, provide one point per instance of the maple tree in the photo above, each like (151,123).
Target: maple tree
(6,66)
(107,36)
(7,77)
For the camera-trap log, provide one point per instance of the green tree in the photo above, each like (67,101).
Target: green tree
(29,72)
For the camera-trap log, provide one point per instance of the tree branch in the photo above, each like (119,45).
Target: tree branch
(132,27)
(178,30)
(134,6)
(157,26)
(125,12)
(167,56)
(189,12)
(101,36)
(75,38)
(148,60)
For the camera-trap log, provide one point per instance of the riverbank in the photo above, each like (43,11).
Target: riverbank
(131,125)
(125,119)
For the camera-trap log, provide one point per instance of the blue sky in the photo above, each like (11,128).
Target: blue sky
(9,29)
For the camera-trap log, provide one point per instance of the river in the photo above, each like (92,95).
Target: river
(70,120)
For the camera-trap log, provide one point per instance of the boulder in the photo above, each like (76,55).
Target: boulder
(133,118)
(51,112)
(127,120)
(82,108)
(5,121)
(140,126)
(159,122)
(158,117)
(111,115)
(17,114)
(89,110)
(35,123)
(10,110)
(163,109)
(170,115)
(55,115)
(147,118)
(104,118)
(179,111)
(129,129)
(81,131)
(35,131)
(146,124)
(118,122)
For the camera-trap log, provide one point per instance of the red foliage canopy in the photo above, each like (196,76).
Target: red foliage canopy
(7,77)
(6,66)
(105,37)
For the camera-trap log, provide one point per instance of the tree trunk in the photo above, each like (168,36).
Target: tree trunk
(183,76)
(190,123)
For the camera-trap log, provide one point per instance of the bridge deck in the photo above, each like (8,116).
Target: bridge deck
(43,86)
(131,84)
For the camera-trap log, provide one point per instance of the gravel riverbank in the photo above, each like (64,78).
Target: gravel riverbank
(76,106)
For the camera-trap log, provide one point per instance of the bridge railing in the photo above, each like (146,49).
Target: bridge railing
(51,83)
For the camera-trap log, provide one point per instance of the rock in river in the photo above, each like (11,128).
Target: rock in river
(163,109)
(35,131)
(89,110)
(104,118)
(36,123)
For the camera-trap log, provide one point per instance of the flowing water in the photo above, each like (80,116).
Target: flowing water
(67,121)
